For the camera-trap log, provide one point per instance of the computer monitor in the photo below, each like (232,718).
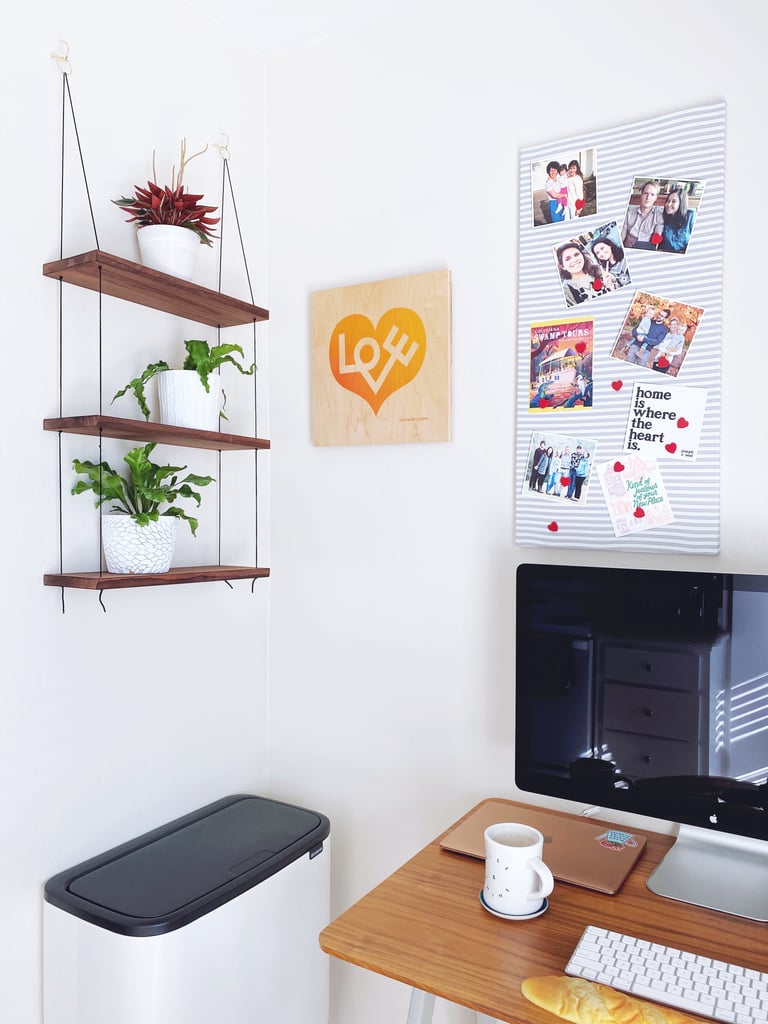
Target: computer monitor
(646,691)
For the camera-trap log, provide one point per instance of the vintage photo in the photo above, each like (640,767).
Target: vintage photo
(661,214)
(561,365)
(559,466)
(657,333)
(564,187)
(591,265)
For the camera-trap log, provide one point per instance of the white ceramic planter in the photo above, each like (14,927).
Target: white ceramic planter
(136,550)
(169,248)
(184,402)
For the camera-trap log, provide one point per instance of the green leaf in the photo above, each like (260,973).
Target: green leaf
(145,490)
(138,384)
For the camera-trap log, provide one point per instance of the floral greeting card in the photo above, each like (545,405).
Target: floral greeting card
(634,493)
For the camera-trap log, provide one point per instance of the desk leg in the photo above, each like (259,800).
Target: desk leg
(421,1008)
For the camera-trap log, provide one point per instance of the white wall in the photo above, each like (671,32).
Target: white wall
(113,723)
(394,148)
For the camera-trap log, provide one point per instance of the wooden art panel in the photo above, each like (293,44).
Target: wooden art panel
(381,361)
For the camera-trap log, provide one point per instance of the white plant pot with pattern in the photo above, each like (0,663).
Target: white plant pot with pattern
(132,549)
(184,402)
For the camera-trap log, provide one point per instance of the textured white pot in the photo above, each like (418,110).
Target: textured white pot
(169,248)
(130,548)
(184,402)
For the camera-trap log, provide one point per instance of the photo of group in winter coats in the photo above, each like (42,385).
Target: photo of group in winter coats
(657,333)
(559,466)
(592,265)
(661,214)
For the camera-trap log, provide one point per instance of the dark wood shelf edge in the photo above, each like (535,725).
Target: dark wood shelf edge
(142,430)
(123,279)
(189,574)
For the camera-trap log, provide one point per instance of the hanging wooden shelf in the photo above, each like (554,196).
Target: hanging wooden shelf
(145,431)
(118,581)
(111,275)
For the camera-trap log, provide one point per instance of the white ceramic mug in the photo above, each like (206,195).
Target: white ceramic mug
(517,880)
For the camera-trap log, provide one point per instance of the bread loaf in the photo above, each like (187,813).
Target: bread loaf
(586,1002)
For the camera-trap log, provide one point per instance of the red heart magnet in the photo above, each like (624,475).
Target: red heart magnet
(671,447)
(564,481)
(618,467)
(581,347)
(683,423)
(662,362)
(638,513)
(543,403)
(553,527)
(617,385)
(597,285)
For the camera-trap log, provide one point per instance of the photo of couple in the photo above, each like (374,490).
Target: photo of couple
(657,333)
(661,214)
(564,189)
(592,265)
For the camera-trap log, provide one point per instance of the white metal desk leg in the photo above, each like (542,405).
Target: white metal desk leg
(421,1008)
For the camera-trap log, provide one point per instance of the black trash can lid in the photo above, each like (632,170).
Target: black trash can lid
(168,877)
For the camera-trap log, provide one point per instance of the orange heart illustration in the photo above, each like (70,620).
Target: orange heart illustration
(374,362)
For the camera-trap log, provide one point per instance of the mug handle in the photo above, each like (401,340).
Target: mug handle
(546,880)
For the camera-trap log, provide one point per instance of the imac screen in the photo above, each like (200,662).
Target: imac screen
(646,691)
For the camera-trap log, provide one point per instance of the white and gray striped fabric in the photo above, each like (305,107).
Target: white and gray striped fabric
(687,145)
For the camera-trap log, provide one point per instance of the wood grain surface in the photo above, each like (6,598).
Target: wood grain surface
(424,926)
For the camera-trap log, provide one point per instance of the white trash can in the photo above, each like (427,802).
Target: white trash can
(212,917)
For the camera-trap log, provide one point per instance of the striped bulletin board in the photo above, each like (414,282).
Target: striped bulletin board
(619,335)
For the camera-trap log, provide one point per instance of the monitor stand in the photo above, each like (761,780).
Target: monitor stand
(715,870)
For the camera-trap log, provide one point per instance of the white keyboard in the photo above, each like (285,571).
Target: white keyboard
(689,983)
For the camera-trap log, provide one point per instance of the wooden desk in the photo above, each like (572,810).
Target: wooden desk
(424,926)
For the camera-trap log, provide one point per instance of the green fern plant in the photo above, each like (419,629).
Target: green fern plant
(145,491)
(200,357)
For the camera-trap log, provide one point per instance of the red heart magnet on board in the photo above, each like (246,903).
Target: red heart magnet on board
(671,447)
(618,467)
(682,423)
(564,481)
(662,362)
(617,385)
(638,513)
(581,347)
(552,527)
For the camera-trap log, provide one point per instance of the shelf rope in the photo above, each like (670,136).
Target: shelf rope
(226,180)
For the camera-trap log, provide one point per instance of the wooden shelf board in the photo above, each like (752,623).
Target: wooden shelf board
(190,574)
(144,431)
(113,275)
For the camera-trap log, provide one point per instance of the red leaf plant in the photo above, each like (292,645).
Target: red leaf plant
(172,204)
